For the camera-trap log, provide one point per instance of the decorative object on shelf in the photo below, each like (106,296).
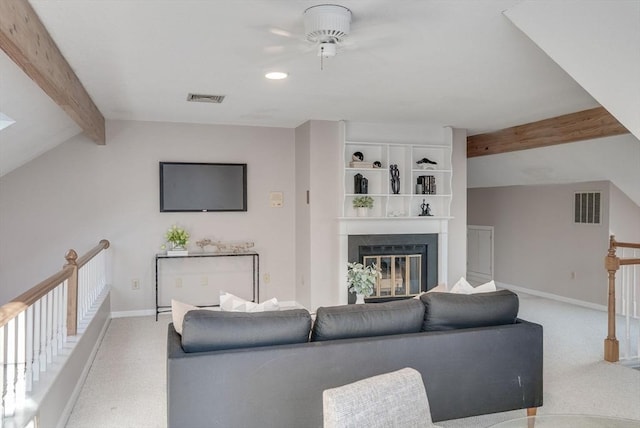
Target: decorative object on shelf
(377,164)
(419,188)
(230,247)
(426,209)
(204,243)
(357,157)
(363,204)
(178,238)
(362,165)
(395,179)
(360,184)
(362,279)
(225,247)
(426,161)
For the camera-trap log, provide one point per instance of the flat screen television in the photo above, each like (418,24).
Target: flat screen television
(187,186)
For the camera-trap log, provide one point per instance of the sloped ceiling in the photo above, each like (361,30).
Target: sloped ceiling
(40,123)
(608,66)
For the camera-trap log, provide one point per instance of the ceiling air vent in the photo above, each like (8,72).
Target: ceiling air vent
(586,208)
(202,98)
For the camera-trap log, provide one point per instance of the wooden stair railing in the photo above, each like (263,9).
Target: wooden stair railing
(612,263)
(35,325)
(69,273)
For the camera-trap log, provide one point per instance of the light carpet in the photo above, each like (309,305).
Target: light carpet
(126,386)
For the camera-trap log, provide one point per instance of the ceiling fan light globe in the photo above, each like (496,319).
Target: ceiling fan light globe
(327,50)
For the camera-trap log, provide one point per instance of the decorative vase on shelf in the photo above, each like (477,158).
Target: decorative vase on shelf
(362,211)
(359,299)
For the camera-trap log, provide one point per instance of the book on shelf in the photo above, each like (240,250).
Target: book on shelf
(428,183)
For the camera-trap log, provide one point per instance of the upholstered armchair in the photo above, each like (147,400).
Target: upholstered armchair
(396,399)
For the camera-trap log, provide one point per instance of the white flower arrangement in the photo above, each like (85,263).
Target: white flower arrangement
(362,279)
(177,236)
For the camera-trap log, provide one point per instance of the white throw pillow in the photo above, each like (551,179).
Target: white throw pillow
(441,288)
(462,287)
(179,310)
(485,288)
(231,303)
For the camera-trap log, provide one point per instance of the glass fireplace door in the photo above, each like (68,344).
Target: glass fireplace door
(400,274)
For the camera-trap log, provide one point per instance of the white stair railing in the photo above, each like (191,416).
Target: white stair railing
(628,288)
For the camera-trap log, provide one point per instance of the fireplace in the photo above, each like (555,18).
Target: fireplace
(408,263)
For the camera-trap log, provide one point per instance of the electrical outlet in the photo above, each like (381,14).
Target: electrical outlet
(267,278)
(178,282)
(204,281)
(135,284)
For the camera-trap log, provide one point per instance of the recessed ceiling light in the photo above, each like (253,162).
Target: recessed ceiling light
(276,75)
(5,121)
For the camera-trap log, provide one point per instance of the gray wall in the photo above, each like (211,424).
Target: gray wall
(537,245)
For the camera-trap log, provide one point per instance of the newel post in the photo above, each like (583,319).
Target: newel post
(612,264)
(72,293)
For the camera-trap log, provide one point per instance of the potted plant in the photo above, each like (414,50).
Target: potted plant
(362,279)
(363,204)
(177,237)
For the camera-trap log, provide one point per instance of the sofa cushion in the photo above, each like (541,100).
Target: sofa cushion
(212,331)
(448,311)
(373,319)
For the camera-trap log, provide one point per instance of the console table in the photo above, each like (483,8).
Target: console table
(255,272)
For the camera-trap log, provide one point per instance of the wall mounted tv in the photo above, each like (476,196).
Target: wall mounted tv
(203,187)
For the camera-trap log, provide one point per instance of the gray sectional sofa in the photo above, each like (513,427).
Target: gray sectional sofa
(269,369)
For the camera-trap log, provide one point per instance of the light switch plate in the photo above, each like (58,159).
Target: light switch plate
(276,199)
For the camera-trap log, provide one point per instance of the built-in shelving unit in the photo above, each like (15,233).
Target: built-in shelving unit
(407,203)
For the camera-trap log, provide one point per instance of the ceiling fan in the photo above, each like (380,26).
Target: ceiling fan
(327,25)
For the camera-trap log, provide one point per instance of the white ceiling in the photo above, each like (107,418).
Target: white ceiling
(459,63)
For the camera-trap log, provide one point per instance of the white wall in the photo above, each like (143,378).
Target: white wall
(624,216)
(457,257)
(536,243)
(303,214)
(79,193)
(325,190)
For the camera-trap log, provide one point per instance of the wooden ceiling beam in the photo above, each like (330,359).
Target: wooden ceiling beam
(582,125)
(27,42)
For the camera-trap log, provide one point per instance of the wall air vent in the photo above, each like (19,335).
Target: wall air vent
(202,98)
(586,208)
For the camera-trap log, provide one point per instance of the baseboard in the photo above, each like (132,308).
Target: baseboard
(139,313)
(551,296)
